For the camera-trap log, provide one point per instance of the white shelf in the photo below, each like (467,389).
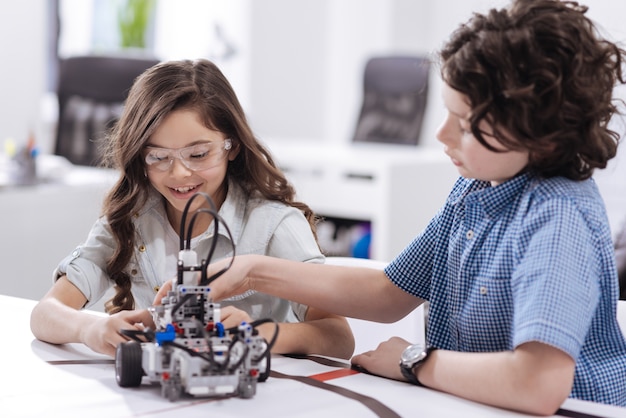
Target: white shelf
(397,188)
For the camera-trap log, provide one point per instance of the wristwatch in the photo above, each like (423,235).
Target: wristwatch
(412,358)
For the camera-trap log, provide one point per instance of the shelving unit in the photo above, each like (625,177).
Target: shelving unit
(396,188)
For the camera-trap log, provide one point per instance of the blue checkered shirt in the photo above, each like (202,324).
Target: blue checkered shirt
(529,260)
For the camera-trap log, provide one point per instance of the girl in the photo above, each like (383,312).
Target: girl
(183,131)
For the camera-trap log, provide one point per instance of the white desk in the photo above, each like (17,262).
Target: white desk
(41,379)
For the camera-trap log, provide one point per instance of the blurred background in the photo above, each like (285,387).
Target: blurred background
(298,69)
(296,64)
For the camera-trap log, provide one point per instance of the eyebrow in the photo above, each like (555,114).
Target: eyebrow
(458,115)
(198,142)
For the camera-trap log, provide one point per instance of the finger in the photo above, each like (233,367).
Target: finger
(358,359)
(143,316)
(163,290)
(227,311)
(109,351)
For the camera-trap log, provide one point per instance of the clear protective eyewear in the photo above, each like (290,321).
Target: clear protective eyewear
(195,157)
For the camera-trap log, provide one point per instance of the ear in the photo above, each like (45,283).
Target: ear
(233,152)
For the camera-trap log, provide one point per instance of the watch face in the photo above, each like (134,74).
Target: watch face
(413,354)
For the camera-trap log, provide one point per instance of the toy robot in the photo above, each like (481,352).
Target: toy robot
(190,351)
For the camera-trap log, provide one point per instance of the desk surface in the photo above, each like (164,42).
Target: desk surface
(72,381)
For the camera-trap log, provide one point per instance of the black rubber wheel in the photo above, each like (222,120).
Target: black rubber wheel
(128,369)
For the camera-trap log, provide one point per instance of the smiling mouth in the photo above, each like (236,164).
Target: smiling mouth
(186,189)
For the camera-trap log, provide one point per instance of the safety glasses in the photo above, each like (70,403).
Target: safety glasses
(196,157)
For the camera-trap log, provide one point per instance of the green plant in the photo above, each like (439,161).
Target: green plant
(133,20)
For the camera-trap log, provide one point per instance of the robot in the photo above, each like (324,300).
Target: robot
(190,351)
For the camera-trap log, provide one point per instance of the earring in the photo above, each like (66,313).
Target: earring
(228,144)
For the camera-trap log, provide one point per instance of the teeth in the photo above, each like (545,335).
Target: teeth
(184,189)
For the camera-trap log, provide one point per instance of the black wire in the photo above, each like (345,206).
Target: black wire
(209,256)
(181,302)
(205,265)
(184,218)
(135,334)
(255,324)
(241,358)
(204,280)
(185,244)
(190,351)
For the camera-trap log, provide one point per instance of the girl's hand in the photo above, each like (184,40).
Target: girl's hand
(232,317)
(103,334)
(165,287)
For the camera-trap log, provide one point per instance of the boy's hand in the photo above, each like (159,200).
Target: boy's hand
(384,360)
(232,282)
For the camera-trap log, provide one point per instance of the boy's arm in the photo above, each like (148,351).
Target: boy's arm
(329,288)
(534,378)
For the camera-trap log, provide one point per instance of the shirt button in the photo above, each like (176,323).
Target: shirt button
(156,288)
(133,272)
(483,290)
(142,248)
(469,234)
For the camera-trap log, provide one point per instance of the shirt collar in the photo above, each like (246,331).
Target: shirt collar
(232,210)
(494,199)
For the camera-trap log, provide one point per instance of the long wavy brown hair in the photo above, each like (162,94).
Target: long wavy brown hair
(543,77)
(168,86)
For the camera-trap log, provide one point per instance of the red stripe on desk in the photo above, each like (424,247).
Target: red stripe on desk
(335,374)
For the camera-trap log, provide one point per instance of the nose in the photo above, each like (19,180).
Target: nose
(178,168)
(444,133)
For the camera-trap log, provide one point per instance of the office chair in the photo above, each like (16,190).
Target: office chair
(91,92)
(394,100)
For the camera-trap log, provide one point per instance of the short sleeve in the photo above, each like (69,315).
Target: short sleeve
(85,267)
(556,284)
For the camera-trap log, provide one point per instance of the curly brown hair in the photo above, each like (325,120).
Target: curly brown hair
(543,77)
(169,86)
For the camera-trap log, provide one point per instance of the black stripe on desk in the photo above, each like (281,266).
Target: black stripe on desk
(71,362)
(320,360)
(374,405)
(574,414)
(333,363)
(377,407)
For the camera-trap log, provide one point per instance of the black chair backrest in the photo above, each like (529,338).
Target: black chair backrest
(91,93)
(395,90)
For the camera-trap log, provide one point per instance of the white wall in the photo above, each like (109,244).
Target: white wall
(299,66)
(22,73)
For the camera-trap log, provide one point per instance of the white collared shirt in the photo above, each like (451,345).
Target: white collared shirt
(258,226)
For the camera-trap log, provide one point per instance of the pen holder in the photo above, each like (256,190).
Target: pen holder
(23,169)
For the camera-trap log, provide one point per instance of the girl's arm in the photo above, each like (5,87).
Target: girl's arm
(320,332)
(57,318)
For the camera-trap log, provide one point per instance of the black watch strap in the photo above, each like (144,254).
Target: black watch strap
(411,373)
